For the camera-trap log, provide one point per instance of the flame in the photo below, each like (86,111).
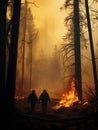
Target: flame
(69,97)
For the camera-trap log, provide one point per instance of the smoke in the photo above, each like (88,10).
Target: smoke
(47,70)
(47,74)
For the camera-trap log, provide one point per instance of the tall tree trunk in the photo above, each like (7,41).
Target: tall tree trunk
(12,63)
(77,49)
(30,87)
(3,9)
(92,49)
(24,41)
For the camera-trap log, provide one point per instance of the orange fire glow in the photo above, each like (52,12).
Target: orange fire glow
(69,97)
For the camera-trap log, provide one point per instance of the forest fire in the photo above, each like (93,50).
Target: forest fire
(69,97)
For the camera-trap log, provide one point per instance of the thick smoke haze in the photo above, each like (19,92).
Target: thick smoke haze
(47,24)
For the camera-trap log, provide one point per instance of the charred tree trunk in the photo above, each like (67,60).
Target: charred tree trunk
(12,63)
(92,49)
(77,49)
(3,9)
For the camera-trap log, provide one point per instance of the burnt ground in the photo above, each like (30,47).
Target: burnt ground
(76,117)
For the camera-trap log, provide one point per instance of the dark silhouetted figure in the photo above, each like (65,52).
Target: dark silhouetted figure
(44,99)
(33,100)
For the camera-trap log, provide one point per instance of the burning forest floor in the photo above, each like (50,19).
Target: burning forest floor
(76,117)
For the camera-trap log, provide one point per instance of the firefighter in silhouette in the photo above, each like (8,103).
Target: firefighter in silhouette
(33,100)
(44,99)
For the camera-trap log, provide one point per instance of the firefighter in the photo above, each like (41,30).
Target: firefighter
(44,99)
(33,100)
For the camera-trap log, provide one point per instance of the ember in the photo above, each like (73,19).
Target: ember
(19,97)
(69,97)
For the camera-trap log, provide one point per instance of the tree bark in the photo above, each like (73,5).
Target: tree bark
(3,9)
(92,49)
(24,42)
(77,50)
(12,63)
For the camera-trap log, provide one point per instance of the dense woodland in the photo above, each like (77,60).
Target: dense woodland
(11,44)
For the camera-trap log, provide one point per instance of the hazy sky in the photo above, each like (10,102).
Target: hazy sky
(49,20)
